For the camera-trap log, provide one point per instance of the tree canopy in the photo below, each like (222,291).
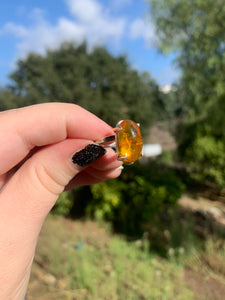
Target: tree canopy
(195,30)
(96,80)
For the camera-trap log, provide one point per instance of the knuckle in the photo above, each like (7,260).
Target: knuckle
(47,180)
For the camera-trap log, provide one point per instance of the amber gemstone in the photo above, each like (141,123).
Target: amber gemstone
(129,141)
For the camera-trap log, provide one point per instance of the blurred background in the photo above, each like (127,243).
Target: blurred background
(157,232)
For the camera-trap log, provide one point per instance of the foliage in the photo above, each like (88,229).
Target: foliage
(167,157)
(96,80)
(173,234)
(9,100)
(64,204)
(135,200)
(170,105)
(206,157)
(195,31)
(131,203)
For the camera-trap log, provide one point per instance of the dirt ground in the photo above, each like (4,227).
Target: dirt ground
(45,286)
(204,288)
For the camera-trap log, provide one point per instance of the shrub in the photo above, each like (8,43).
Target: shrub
(64,204)
(130,203)
(206,157)
(136,198)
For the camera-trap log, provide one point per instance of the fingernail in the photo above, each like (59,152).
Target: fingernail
(88,155)
(120,168)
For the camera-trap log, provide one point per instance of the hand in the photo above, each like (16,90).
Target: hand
(37,146)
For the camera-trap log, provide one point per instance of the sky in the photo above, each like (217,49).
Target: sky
(124,27)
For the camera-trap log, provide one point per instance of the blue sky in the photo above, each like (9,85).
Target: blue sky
(123,26)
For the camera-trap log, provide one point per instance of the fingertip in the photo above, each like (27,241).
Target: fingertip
(103,175)
(92,176)
(108,161)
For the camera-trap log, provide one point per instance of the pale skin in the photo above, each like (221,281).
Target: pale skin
(37,144)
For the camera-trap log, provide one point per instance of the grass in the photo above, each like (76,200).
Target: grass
(87,262)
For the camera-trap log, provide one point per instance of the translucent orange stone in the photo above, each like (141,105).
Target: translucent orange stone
(129,141)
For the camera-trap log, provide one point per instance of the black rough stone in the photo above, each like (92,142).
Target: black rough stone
(88,155)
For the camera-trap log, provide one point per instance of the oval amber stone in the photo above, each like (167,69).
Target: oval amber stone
(129,141)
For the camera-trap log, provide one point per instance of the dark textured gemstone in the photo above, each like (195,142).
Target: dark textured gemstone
(88,155)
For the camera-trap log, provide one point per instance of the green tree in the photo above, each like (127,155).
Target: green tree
(195,30)
(96,80)
(6,99)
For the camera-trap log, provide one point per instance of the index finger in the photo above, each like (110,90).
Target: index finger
(42,124)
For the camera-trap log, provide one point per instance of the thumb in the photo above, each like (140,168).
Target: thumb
(25,201)
(34,188)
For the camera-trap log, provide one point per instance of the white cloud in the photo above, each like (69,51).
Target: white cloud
(89,21)
(13,29)
(43,35)
(86,11)
(143,29)
(99,26)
